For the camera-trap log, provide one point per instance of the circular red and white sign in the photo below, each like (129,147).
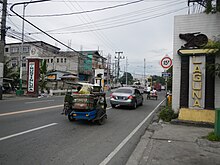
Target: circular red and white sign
(166,62)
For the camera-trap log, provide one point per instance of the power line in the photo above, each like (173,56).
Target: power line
(123,24)
(121,17)
(82,12)
(11,8)
(98,35)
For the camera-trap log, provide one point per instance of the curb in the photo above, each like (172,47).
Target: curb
(137,154)
(143,144)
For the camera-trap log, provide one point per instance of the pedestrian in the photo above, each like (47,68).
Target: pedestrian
(148,92)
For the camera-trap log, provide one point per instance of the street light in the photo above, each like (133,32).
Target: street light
(20,91)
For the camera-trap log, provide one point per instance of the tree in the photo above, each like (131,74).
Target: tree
(129,78)
(210,8)
(170,79)
(43,71)
(158,79)
(214,69)
(11,73)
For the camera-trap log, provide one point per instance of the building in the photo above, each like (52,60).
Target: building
(80,64)
(89,61)
(196,93)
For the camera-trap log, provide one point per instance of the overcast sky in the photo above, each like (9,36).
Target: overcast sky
(142,29)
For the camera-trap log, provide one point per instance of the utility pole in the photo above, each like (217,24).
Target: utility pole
(108,69)
(126,75)
(2,43)
(144,72)
(118,58)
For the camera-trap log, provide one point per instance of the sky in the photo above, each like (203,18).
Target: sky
(140,29)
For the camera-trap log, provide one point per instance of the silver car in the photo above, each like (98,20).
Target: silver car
(126,96)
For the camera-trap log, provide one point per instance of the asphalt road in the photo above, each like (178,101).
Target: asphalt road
(34,132)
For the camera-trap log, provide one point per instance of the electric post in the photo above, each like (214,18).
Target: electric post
(144,72)
(118,58)
(126,71)
(2,44)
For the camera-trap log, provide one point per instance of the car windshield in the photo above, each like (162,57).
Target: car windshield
(123,91)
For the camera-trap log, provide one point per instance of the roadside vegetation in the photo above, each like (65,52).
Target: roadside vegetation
(212,137)
(167,114)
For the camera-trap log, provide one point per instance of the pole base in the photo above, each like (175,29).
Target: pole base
(217,122)
(19,92)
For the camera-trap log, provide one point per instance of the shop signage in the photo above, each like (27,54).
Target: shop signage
(31,77)
(197,79)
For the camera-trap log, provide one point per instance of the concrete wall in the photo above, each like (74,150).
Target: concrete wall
(208,24)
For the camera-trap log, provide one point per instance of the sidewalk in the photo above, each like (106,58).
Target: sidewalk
(168,144)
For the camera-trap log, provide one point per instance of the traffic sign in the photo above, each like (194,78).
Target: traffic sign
(166,62)
(166,74)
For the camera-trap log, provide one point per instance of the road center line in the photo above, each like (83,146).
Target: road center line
(24,132)
(118,148)
(30,110)
(42,101)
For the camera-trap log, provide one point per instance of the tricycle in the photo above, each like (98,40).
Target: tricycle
(83,105)
(152,94)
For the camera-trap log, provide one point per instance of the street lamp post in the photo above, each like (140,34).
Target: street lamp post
(20,91)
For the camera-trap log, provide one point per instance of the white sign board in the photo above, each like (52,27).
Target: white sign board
(99,71)
(31,77)
(1,73)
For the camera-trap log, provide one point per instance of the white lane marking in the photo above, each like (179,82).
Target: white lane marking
(24,132)
(115,151)
(30,110)
(38,101)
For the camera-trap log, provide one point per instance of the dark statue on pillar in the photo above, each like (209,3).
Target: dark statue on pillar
(194,40)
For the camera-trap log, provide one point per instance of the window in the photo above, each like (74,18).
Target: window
(14,49)
(23,64)
(14,64)
(61,60)
(123,91)
(6,49)
(58,60)
(48,60)
(26,49)
(64,60)
(14,58)
(51,60)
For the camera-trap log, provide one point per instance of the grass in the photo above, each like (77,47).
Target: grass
(212,137)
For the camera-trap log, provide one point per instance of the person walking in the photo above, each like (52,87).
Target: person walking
(148,91)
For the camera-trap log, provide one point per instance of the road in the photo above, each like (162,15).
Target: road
(34,132)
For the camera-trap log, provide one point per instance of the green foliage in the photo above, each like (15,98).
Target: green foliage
(129,78)
(170,79)
(212,137)
(11,73)
(211,8)
(167,114)
(43,71)
(214,69)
